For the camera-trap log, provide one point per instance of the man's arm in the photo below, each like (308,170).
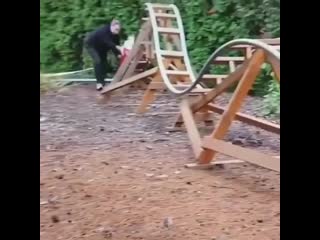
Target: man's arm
(112,46)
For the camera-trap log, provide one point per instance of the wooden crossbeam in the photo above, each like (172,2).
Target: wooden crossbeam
(227,59)
(240,93)
(228,82)
(129,81)
(248,155)
(260,123)
(165,15)
(164,30)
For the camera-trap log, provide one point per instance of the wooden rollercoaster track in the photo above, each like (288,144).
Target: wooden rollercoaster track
(161,42)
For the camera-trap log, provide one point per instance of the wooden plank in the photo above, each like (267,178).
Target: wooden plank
(191,127)
(240,93)
(129,81)
(232,66)
(161,6)
(177,72)
(148,97)
(248,155)
(214,76)
(165,15)
(228,82)
(227,59)
(167,53)
(165,30)
(276,47)
(157,85)
(270,41)
(212,164)
(263,124)
(133,65)
(200,90)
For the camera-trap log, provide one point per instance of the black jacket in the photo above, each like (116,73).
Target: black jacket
(103,39)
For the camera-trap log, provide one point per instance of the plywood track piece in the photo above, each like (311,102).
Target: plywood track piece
(248,155)
(260,123)
(130,80)
(191,127)
(211,164)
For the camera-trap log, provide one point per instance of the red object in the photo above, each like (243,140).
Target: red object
(124,55)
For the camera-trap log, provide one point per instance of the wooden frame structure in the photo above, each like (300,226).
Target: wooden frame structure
(206,149)
(172,71)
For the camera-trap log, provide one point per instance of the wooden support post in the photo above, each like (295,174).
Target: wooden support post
(241,92)
(191,126)
(245,118)
(202,101)
(150,94)
(202,115)
(219,89)
(232,66)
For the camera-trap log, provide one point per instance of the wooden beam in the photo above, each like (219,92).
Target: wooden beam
(165,15)
(161,6)
(248,155)
(240,93)
(171,53)
(228,82)
(129,81)
(134,63)
(165,30)
(150,94)
(211,164)
(270,41)
(204,116)
(227,59)
(260,123)
(191,127)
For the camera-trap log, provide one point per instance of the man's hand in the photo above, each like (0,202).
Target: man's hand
(119,48)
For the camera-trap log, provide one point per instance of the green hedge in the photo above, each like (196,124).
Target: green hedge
(63,24)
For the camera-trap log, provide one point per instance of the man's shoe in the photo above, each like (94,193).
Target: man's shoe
(99,87)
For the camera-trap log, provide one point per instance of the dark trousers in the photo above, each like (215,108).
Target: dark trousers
(99,63)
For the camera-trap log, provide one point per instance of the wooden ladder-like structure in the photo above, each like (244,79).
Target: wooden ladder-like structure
(160,50)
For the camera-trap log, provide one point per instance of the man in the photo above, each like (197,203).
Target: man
(98,43)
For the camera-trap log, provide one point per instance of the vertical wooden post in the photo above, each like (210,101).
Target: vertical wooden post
(240,93)
(191,127)
(150,94)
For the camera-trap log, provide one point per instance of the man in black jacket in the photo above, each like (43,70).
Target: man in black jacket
(98,43)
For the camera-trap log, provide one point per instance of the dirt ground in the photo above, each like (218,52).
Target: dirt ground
(107,173)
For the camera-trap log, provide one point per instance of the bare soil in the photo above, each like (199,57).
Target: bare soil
(108,173)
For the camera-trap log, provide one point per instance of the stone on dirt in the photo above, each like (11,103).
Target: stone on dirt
(168,222)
